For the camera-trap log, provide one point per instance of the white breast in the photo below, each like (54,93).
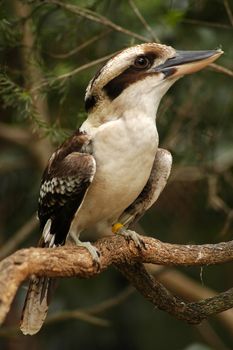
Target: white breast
(124,150)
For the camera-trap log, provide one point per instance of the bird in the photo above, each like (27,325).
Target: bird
(111,170)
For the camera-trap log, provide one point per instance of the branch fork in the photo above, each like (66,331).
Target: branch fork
(115,250)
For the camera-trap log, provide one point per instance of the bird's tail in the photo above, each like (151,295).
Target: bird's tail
(36,305)
(39,292)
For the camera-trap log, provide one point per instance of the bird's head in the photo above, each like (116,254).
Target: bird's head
(139,76)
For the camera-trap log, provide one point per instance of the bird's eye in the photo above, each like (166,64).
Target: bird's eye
(141,62)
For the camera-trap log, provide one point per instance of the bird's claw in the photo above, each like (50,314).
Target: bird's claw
(95,254)
(93,251)
(133,236)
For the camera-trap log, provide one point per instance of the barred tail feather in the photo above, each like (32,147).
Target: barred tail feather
(36,305)
(39,292)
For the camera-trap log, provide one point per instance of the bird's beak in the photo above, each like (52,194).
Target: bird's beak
(187,62)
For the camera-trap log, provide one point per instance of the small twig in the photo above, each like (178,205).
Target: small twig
(219,165)
(228,10)
(19,237)
(206,24)
(8,332)
(14,134)
(220,69)
(73,72)
(78,314)
(182,113)
(95,17)
(82,46)
(210,336)
(86,314)
(214,199)
(227,224)
(110,303)
(32,73)
(143,21)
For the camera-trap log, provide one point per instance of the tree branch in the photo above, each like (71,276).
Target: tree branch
(32,73)
(220,69)
(206,23)
(143,21)
(189,289)
(76,261)
(11,244)
(70,74)
(96,17)
(87,314)
(14,134)
(228,10)
(159,296)
(81,47)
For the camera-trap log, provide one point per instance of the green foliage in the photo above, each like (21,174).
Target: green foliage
(173,18)
(9,36)
(21,103)
(17,98)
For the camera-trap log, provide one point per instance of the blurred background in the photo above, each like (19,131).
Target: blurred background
(49,50)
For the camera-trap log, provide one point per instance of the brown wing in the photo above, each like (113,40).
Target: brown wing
(64,184)
(152,190)
(65,181)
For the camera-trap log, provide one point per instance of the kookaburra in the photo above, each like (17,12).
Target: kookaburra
(110,171)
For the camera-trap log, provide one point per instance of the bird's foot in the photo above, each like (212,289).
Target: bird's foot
(129,235)
(95,254)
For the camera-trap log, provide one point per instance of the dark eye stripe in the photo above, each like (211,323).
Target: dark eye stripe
(117,85)
(90,103)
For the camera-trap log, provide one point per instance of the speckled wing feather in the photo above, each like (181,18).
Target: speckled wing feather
(64,184)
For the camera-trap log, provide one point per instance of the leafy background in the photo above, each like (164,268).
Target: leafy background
(48,53)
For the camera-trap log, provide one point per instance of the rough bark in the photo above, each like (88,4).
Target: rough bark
(76,261)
